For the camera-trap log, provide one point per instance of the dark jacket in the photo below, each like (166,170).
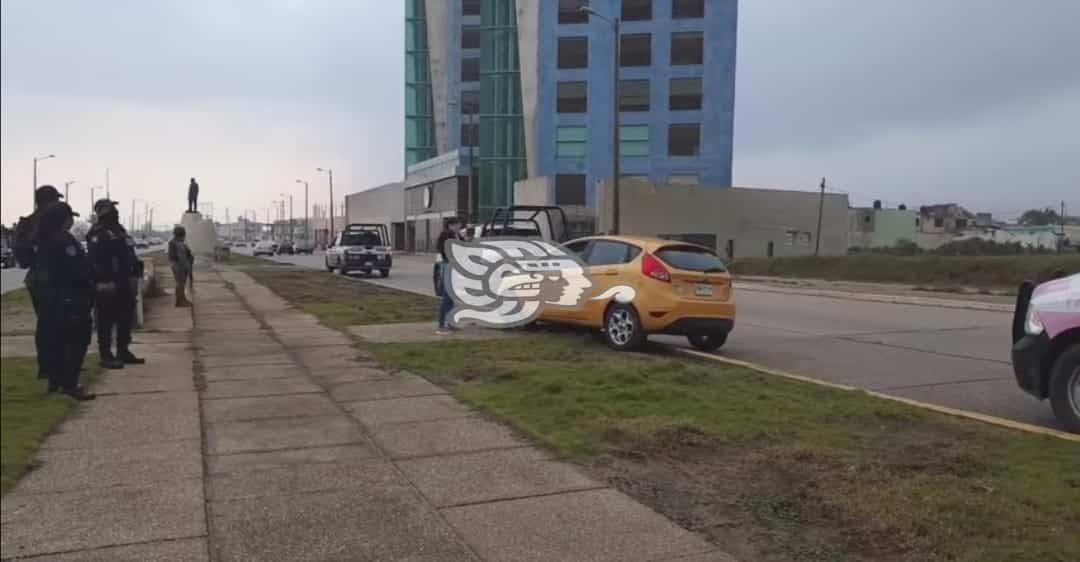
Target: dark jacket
(64,270)
(112,253)
(180,255)
(441,243)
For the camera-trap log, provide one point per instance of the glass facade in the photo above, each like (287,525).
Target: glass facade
(419,123)
(501,161)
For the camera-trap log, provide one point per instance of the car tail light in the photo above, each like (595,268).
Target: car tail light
(652,267)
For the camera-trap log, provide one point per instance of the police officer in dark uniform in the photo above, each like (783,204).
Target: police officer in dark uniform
(25,249)
(116,275)
(66,293)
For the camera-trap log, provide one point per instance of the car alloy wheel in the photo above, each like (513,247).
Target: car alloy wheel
(620,326)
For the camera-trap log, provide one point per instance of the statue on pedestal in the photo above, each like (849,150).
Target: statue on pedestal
(193,196)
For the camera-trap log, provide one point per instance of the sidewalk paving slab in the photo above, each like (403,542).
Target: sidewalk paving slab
(492,475)
(294,405)
(282,433)
(219,464)
(130,465)
(234,361)
(399,386)
(303,478)
(597,525)
(265,387)
(442,437)
(381,523)
(251,372)
(89,518)
(350,375)
(400,410)
(105,430)
(179,550)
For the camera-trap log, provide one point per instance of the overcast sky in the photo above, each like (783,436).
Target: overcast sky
(908,101)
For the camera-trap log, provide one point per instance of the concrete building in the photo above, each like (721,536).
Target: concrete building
(736,222)
(875,227)
(946,218)
(383,205)
(530,84)
(433,191)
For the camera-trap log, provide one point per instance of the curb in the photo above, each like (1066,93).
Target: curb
(875,297)
(984,418)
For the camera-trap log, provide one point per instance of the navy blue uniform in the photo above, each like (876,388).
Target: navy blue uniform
(65,285)
(116,271)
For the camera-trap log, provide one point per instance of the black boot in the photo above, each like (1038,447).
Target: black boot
(128,358)
(109,361)
(79,393)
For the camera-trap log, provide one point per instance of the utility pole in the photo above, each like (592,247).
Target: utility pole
(330,173)
(67,184)
(820,209)
(1061,219)
(108,193)
(146,217)
(307,224)
(36,160)
(150,224)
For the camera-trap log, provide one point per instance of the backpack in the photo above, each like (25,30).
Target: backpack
(24,244)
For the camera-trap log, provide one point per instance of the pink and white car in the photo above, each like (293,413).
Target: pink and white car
(1046,345)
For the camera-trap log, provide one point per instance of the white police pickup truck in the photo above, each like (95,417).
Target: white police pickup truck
(363,247)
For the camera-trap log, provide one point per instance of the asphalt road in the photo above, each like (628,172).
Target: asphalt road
(12,278)
(951,357)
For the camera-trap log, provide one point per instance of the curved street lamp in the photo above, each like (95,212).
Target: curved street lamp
(36,160)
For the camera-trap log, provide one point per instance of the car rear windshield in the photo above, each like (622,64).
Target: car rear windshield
(691,258)
(360,239)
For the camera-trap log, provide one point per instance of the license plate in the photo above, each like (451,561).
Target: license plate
(703,290)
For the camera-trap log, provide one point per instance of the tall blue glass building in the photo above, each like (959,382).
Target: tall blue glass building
(529,84)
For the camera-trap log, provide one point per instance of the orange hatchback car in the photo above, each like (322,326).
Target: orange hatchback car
(677,288)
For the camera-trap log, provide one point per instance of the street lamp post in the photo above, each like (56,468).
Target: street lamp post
(307,224)
(67,185)
(36,160)
(614,21)
(92,189)
(291,237)
(329,173)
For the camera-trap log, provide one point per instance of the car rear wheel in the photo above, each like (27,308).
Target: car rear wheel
(707,341)
(622,328)
(1065,388)
(329,267)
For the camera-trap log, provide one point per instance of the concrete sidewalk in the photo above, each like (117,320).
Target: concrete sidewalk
(297,446)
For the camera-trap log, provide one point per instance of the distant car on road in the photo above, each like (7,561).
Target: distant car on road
(263,248)
(7,257)
(141,244)
(1046,345)
(286,248)
(305,248)
(361,247)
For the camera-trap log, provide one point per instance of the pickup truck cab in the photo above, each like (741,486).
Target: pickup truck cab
(1046,345)
(361,247)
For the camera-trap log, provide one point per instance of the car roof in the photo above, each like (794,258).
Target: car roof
(648,242)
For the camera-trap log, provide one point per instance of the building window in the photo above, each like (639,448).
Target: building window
(470,69)
(682,9)
(684,139)
(683,179)
(687,48)
(633,95)
(572,97)
(685,93)
(470,134)
(570,142)
(573,52)
(939,222)
(635,50)
(570,11)
(633,141)
(470,102)
(569,189)
(470,37)
(636,10)
(470,7)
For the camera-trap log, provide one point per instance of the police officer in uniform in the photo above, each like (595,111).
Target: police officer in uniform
(25,248)
(66,292)
(116,273)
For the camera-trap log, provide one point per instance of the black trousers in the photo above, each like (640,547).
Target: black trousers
(40,345)
(193,204)
(114,310)
(66,335)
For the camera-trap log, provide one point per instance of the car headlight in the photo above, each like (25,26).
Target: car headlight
(1032,324)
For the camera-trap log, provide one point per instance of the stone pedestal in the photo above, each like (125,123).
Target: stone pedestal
(201,235)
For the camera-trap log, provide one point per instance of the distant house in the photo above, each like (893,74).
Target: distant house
(875,227)
(946,218)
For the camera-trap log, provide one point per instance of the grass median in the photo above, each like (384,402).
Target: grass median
(27,414)
(767,468)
